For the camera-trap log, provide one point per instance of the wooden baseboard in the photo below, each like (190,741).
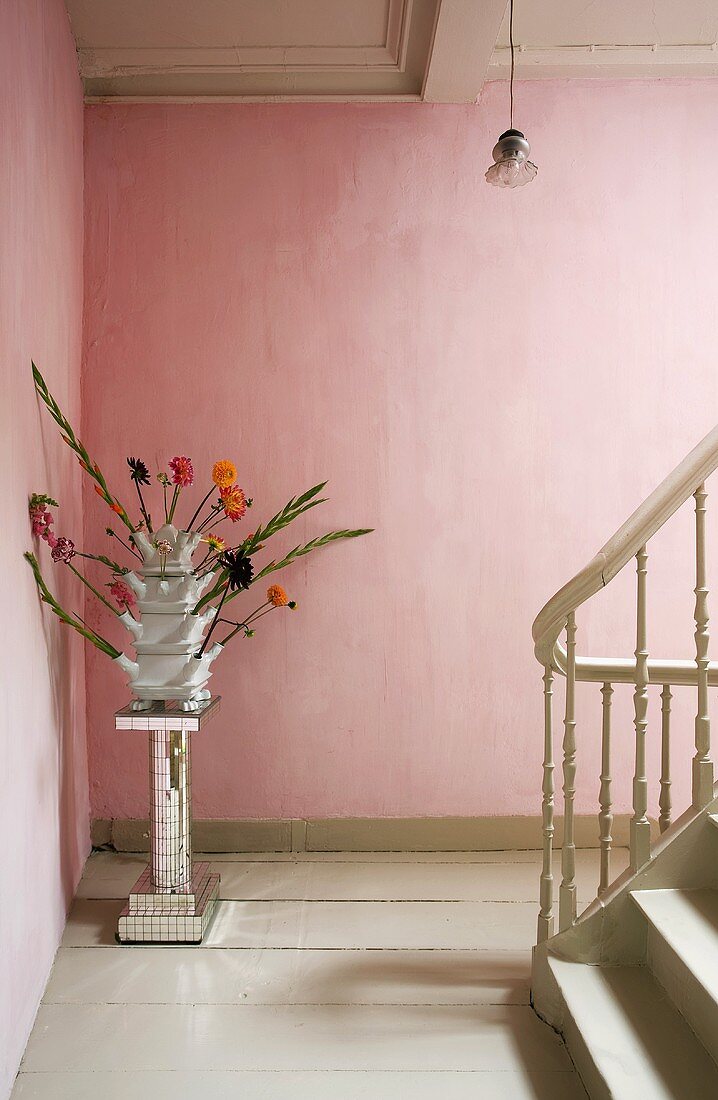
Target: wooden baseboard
(362,834)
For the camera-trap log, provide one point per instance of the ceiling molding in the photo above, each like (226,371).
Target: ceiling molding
(398,24)
(304,98)
(253,50)
(136,60)
(156,61)
(606,60)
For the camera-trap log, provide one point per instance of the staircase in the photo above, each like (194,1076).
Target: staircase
(632,982)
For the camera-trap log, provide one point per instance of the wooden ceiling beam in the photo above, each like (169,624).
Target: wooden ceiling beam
(465,34)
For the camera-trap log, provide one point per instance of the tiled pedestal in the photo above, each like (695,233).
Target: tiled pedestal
(174,899)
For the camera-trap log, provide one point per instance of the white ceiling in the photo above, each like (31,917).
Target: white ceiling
(436,50)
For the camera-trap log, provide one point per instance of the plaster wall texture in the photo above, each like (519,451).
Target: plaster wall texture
(491,380)
(44,809)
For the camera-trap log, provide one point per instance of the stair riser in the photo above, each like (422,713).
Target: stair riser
(694,1003)
(588,1071)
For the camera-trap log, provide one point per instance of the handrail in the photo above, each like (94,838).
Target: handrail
(656,509)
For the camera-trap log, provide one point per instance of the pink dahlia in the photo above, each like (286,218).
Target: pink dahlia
(182,471)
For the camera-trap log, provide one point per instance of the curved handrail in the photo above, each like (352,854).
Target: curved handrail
(656,509)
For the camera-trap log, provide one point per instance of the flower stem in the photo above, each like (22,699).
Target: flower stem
(194,517)
(126,545)
(47,597)
(238,627)
(92,589)
(245,625)
(215,509)
(113,565)
(143,510)
(214,621)
(255,614)
(211,564)
(216,522)
(254,618)
(173,505)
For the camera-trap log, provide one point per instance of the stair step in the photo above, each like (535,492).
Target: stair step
(626,1039)
(683,954)
(713,818)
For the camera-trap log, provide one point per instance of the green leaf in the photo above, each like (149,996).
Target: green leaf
(75,445)
(300,551)
(76,623)
(113,565)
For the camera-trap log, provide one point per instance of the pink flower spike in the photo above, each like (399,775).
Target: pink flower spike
(182,471)
(41,521)
(51,541)
(123,594)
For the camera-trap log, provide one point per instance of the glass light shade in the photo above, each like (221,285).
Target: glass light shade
(511,167)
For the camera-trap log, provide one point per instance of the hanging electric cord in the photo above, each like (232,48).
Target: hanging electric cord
(511,44)
(511,167)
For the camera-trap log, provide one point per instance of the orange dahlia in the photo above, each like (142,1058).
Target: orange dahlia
(234,502)
(224,473)
(277,596)
(215,543)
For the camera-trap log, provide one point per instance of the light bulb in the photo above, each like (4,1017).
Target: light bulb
(511,167)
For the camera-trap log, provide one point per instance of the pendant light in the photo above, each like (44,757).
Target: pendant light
(511,167)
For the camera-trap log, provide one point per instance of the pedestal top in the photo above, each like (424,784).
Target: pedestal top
(167,715)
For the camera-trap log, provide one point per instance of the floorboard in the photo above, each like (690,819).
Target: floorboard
(345,975)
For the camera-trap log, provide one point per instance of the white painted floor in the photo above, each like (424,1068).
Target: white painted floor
(384,977)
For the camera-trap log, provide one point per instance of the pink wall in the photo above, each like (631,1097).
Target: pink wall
(492,381)
(44,804)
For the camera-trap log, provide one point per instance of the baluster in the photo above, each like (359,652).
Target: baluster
(605,816)
(545,918)
(640,825)
(702,763)
(567,891)
(664,800)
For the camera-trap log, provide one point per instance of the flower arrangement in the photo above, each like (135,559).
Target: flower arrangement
(167,602)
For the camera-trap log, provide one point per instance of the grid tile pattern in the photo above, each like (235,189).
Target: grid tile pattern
(143,898)
(170,807)
(172,901)
(163,924)
(167,715)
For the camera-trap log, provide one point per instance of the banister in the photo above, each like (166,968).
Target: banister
(648,518)
(622,670)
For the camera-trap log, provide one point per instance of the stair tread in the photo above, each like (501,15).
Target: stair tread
(640,1045)
(688,921)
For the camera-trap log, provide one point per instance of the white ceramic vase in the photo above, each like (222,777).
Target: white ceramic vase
(167,636)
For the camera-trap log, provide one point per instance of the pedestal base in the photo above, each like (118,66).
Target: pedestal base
(182,917)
